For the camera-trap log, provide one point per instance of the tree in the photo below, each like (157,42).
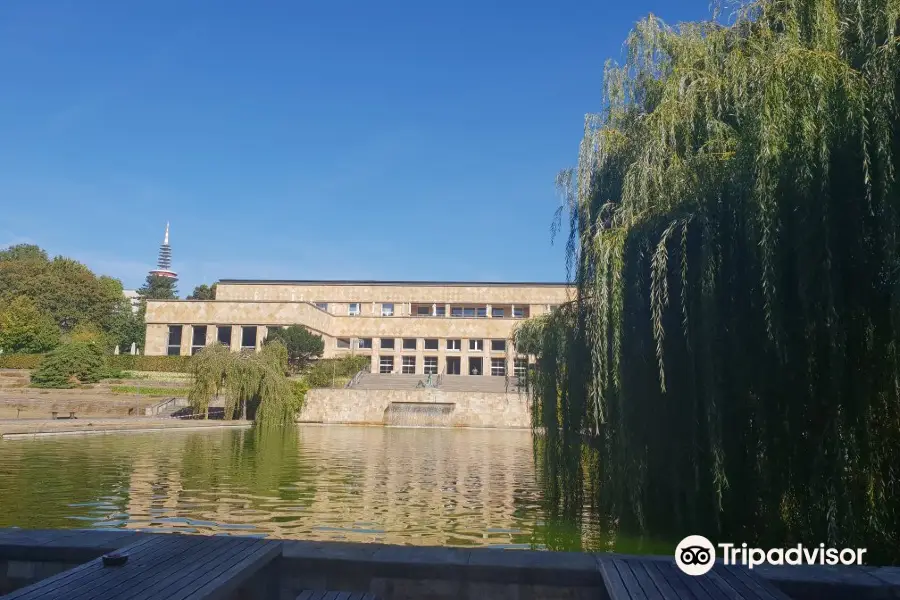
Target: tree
(204,292)
(24,252)
(25,329)
(302,345)
(159,288)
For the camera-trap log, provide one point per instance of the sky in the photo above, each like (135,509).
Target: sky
(292,139)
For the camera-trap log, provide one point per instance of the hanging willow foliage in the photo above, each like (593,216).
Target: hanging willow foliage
(733,236)
(253,384)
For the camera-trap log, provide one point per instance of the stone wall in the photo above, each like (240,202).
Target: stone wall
(367,407)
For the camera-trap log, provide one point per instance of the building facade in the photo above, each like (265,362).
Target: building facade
(406,327)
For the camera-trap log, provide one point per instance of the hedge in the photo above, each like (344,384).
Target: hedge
(123,362)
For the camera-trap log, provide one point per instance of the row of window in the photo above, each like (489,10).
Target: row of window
(430,366)
(198,338)
(387,310)
(412,344)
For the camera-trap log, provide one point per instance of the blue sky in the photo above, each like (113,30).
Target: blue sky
(298,139)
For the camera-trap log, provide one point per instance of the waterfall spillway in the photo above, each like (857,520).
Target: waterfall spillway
(419,414)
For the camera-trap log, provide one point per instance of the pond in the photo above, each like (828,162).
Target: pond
(414,486)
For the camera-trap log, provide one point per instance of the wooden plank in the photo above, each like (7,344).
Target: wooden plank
(615,586)
(754,583)
(225,579)
(639,570)
(44,587)
(679,590)
(634,589)
(304,595)
(671,572)
(170,568)
(665,588)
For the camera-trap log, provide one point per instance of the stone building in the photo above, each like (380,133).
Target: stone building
(426,327)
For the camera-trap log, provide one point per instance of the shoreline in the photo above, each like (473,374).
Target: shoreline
(11,429)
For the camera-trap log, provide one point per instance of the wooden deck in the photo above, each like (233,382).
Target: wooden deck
(162,567)
(316,595)
(655,579)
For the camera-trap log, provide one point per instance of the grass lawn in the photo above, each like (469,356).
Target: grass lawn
(149,390)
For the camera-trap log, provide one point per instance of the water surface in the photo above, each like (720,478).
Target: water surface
(445,487)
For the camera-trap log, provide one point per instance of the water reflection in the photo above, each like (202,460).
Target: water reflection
(404,486)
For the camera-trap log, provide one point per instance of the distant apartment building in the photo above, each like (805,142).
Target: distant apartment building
(405,326)
(134,299)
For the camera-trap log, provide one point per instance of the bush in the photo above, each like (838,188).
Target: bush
(325,371)
(167,364)
(68,365)
(20,361)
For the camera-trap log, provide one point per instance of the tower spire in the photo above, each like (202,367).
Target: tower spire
(166,239)
(164,262)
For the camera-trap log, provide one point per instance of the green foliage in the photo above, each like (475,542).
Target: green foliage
(69,364)
(204,292)
(326,372)
(165,364)
(148,391)
(25,329)
(159,288)
(24,252)
(734,234)
(253,384)
(302,345)
(20,361)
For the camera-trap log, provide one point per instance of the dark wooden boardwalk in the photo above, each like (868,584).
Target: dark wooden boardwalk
(162,567)
(659,579)
(316,595)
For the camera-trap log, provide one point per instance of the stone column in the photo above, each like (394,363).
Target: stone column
(489,315)
(187,336)
(236,338)
(374,362)
(261,333)
(212,331)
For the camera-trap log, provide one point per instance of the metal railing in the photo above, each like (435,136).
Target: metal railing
(355,379)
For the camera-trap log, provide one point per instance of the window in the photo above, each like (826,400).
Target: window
(431,365)
(364,343)
(354,309)
(409,365)
(482,311)
(469,312)
(248,337)
(223,335)
(322,306)
(423,311)
(386,365)
(440,311)
(342,343)
(454,345)
(498,367)
(431,344)
(198,338)
(387,343)
(477,345)
(518,312)
(456,311)
(520,366)
(173,343)
(387,310)
(409,343)
(498,345)
(497,312)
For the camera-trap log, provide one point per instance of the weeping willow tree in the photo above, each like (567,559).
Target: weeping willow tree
(730,365)
(252,384)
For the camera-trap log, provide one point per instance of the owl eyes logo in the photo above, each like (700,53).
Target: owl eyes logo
(695,555)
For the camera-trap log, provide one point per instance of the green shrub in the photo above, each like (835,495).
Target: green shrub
(20,361)
(168,364)
(68,365)
(327,371)
(149,391)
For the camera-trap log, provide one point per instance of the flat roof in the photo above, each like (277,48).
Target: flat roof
(376,282)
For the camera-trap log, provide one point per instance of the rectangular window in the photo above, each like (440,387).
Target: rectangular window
(482,311)
(520,366)
(248,337)
(387,310)
(198,338)
(440,311)
(454,345)
(322,306)
(423,311)
(386,364)
(431,365)
(387,343)
(223,335)
(518,312)
(477,345)
(409,365)
(431,344)
(343,343)
(354,309)
(498,345)
(498,367)
(173,340)
(409,343)
(456,311)
(469,312)
(497,312)
(364,343)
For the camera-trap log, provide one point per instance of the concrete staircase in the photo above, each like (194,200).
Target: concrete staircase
(14,378)
(449,383)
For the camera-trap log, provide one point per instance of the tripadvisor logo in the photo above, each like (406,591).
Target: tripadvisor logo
(696,555)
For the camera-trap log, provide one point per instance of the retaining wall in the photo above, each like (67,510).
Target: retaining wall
(367,407)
